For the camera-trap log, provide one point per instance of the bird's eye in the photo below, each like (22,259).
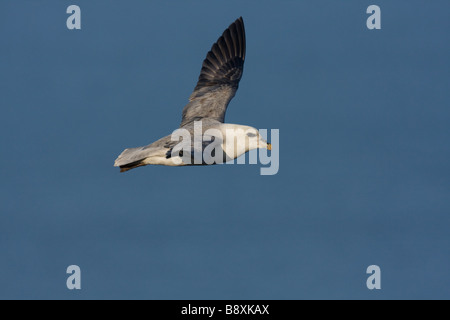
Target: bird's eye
(251,135)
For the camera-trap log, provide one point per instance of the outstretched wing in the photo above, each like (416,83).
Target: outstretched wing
(219,79)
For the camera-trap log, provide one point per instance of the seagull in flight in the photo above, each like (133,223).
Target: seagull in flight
(217,85)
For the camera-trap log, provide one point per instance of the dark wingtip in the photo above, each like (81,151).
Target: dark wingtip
(125,169)
(226,54)
(222,67)
(132,165)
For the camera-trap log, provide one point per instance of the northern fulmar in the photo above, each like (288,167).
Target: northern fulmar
(218,82)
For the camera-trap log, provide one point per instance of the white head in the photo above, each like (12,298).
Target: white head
(241,139)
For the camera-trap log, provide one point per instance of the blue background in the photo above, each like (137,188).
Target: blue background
(364,152)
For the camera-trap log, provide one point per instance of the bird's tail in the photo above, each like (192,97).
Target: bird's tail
(131,158)
(137,157)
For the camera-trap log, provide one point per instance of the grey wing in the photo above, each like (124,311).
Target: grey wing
(219,78)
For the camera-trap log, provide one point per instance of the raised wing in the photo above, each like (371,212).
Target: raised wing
(219,79)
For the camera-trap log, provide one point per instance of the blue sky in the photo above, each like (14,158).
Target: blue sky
(364,146)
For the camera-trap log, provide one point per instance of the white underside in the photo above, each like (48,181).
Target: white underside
(234,143)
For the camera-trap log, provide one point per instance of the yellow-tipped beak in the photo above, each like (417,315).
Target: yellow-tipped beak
(269,146)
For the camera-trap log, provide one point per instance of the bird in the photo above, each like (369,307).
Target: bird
(217,84)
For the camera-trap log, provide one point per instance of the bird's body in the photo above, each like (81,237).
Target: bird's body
(202,126)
